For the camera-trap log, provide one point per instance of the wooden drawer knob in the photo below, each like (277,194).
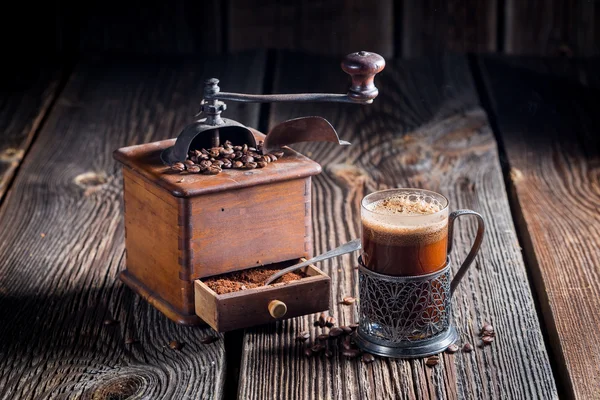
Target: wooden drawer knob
(277,308)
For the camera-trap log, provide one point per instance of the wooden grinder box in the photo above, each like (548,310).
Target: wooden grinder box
(180,228)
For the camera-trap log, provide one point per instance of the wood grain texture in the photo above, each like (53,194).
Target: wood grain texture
(549,125)
(434,26)
(556,27)
(150,27)
(326,27)
(63,243)
(27,93)
(426,129)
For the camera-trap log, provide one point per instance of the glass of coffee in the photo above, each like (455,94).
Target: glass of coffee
(404,232)
(405,276)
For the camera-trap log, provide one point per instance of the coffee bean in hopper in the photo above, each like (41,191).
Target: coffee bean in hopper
(467,348)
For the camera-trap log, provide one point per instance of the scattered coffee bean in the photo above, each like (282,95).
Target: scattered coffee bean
(453,348)
(194,169)
(353,326)
(175,345)
(347,343)
(432,361)
(323,336)
(261,164)
(272,157)
(317,347)
(487,330)
(267,159)
(330,322)
(238,164)
(346,329)
(304,336)
(348,300)
(250,165)
(209,339)
(322,320)
(110,322)
(368,358)
(467,348)
(308,352)
(351,353)
(335,332)
(131,340)
(487,339)
(188,163)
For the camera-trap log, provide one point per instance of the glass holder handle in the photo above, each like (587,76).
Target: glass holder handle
(474,249)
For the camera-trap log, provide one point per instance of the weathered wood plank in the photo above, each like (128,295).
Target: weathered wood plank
(434,26)
(549,125)
(62,241)
(150,27)
(540,27)
(27,93)
(426,129)
(332,27)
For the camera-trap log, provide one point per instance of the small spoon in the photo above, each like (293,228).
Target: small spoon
(338,251)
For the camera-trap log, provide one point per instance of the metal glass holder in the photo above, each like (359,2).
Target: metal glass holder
(405,316)
(411,316)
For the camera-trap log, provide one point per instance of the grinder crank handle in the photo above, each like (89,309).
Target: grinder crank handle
(338,251)
(362,67)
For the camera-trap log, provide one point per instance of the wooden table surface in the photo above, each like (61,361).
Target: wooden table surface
(513,138)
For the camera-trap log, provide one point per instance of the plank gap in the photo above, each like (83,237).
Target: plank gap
(234,341)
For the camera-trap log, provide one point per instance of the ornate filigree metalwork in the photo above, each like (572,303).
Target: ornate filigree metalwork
(396,310)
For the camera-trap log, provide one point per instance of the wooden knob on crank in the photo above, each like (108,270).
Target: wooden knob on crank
(362,67)
(277,308)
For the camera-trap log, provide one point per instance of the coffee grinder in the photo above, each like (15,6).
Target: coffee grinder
(181,228)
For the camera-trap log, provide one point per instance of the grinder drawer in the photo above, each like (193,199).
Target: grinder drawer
(264,304)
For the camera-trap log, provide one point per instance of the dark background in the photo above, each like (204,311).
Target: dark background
(402,28)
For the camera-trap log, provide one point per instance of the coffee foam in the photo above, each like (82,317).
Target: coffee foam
(405,219)
(406,204)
